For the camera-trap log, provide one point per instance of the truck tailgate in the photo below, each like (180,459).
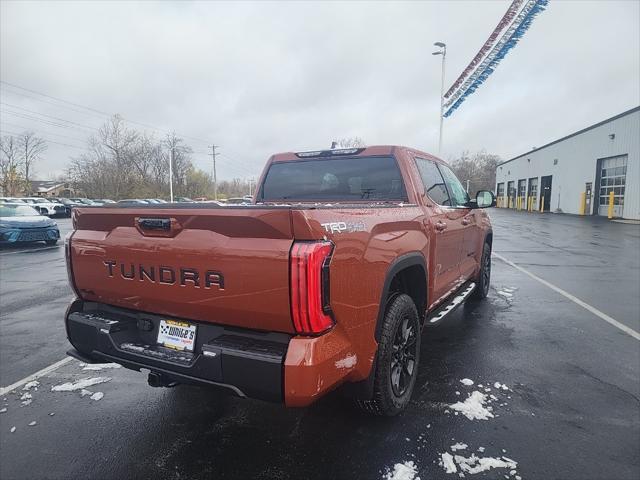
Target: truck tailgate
(223,265)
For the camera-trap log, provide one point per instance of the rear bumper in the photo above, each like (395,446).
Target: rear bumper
(268,366)
(249,363)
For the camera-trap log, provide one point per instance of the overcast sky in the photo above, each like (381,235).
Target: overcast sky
(259,78)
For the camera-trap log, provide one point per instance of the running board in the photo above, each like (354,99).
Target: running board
(445,309)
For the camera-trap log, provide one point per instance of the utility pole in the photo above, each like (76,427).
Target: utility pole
(443,52)
(250,186)
(215,177)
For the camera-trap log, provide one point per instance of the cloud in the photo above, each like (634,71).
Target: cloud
(257,78)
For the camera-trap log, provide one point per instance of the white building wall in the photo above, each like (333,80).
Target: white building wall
(577,158)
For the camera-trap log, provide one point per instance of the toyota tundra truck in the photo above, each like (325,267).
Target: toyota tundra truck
(327,280)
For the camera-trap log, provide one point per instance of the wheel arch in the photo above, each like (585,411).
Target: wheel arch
(406,274)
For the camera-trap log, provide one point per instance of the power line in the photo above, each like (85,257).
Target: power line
(48,116)
(49,141)
(101,112)
(43,133)
(41,120)
(54,121)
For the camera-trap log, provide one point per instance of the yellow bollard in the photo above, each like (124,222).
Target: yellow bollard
(541,204)
(583,202)
(530,204)
(610,213)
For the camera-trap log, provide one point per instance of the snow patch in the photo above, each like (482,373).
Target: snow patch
(446,462)
(26,396)
(97,396)
(466,381)
(458,446)
(31,424)
(505,294)
(499,385)
(347,362)
(402,471)
(473,407)
(84,392)
(13,429)
(80,384)
(3,410)
(100,366)
(473,464)
(29,385)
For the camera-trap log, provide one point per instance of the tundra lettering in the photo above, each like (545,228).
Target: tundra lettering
(167,275)
(343,254)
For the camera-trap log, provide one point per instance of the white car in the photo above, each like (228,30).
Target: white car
(45,207)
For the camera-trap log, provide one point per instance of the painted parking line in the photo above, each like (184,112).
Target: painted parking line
(576,300)
(33,376)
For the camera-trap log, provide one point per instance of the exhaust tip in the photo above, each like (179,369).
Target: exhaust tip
(157,380)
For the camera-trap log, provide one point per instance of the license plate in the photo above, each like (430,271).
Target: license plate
(177,335)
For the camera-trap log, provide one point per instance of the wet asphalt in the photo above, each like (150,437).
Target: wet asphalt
(571,411)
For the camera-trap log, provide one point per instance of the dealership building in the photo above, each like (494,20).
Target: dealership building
(595,171)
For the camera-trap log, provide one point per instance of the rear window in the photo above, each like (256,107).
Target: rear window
(351,178)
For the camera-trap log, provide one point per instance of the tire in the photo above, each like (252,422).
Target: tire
(484,276)
(51,242)
(397,360)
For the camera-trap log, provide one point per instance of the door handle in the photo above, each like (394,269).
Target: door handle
(440,226)
(466,221)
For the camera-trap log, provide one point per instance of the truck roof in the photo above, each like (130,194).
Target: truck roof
(372,150)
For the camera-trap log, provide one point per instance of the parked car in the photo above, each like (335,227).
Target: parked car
(238,201)
(11,200)
(326,282)
(45,206)
(67,201)
(104,201)
(21,223)
(84,201)
(183,200)
(132,201)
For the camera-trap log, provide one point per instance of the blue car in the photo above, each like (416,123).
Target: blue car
(21,223)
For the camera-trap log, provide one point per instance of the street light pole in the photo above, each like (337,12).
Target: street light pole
(171,174)
(443,52)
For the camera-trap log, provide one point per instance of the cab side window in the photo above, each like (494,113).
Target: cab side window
(433,182)
(459,196)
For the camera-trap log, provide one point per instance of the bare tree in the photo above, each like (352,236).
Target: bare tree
(12,178)
(31,148)
(122,162)
(479,169)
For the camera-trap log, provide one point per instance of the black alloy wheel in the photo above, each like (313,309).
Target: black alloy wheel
(403,360)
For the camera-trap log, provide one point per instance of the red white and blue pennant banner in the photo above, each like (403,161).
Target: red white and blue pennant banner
(511,28)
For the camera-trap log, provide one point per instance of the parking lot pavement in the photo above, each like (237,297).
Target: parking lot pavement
(592,258)
(563,387)
(34,293)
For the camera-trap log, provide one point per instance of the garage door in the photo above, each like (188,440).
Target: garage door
(613,173)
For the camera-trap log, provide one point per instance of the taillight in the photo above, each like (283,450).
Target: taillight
(67,254)
(310,306)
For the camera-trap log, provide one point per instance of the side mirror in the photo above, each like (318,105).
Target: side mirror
(485,199)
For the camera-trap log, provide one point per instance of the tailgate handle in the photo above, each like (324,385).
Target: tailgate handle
(155,224)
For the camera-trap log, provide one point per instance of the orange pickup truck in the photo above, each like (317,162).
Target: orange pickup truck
(326,280)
